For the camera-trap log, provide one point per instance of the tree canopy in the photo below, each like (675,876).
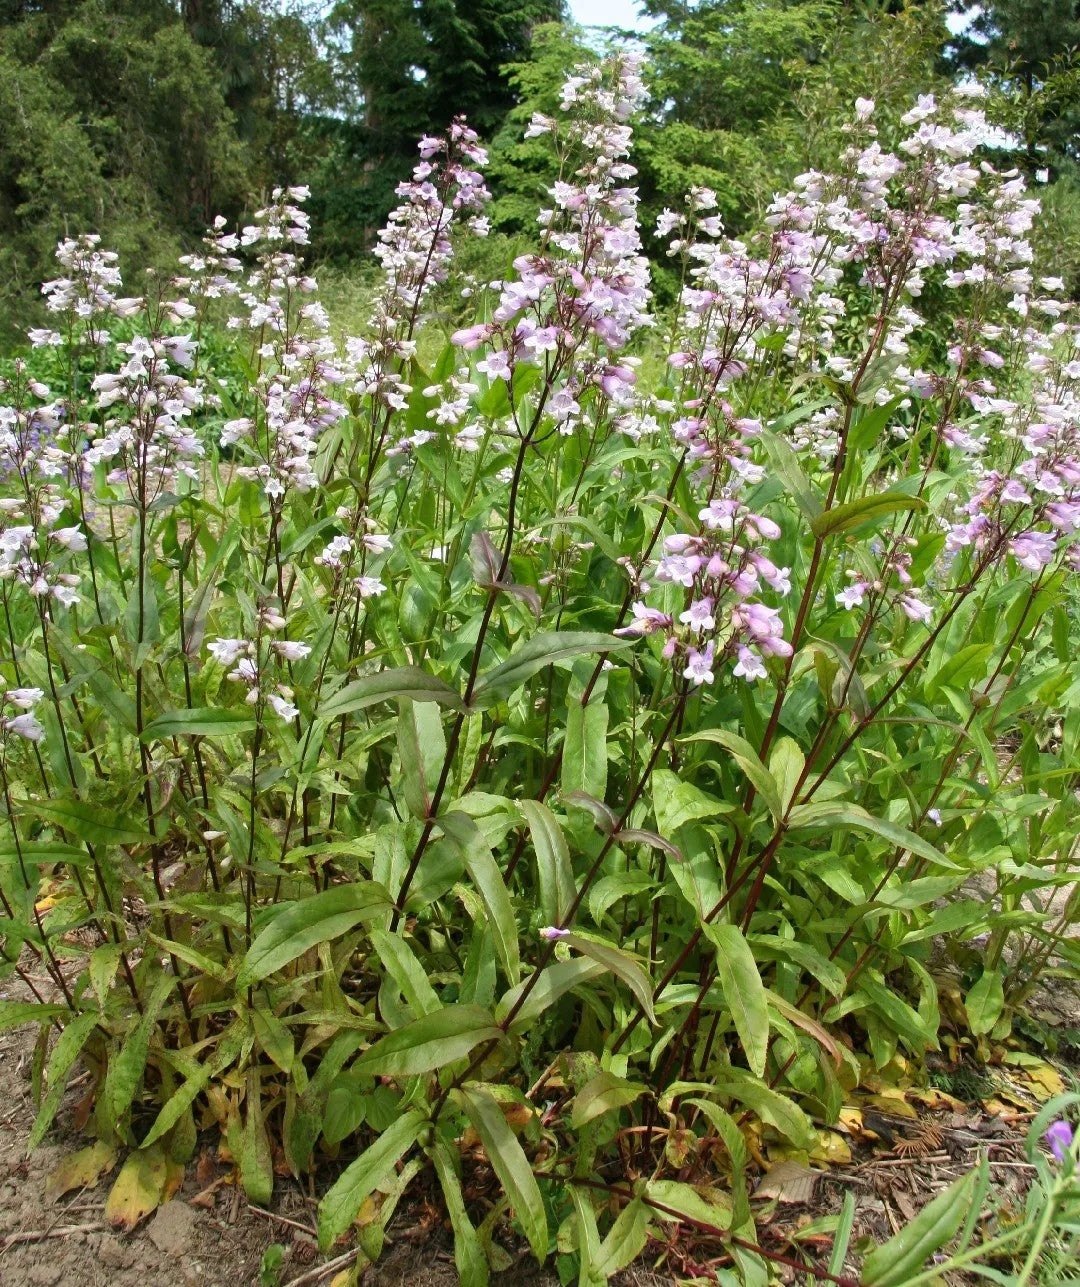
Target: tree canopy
(144,118)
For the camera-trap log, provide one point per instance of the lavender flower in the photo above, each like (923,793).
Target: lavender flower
(1059,1136)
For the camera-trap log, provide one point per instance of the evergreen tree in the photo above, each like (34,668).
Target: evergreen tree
(406,68)
(1030,48)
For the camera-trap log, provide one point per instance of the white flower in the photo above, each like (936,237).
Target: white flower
(26,726)
(290,650)
(24,698)
(227,650)
(71,538)
(282,707)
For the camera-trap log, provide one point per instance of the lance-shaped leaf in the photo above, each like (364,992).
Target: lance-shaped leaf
(387,686)
(555,872)
(296,927)
(199,721)
(541,650)
(66,1051)
(510,1164)
(359,1180)
(555,981)
(422,750)
(815,816)
(749,761)
(842,518)
(619,963)
(743,991)
(604,1093)
(901,1258)
(89,822)
(430,1042)
(488,881)
(469,1258)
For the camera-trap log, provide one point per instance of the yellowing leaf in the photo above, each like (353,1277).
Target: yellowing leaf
(831,1147)
(81,1170)
(851,1119)
(139,1188)
(893,1103)
(1045,1081)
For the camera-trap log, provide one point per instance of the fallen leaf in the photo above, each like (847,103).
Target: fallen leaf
(850,1119)
(139,1188)
(932,1097)
(1046,1081)
(832,1148)
(892,1103)
(81,1170)
(789,1182)
(205,1168)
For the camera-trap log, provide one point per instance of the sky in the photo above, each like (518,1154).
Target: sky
(608,13)
(624,13)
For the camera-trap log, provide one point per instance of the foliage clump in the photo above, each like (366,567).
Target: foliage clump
(550,744)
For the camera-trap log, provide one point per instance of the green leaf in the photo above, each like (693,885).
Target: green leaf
(625,1240)
(487,878)
(743,991)
(274,1038)
(677,802)
(422,749)
(340,1206)
(691,1203)
(619,963)
(35,853)
(401,964)
(775,948)
(125,1071)
(786,765)
(749,761)
(555,873)
(868,427)
(984,1002)
(555,981)
(842,518)
(197,1073)
(200,721)
(65,1052)
(386,686)
(899,1259)
(299,926)
(788,468)
(469,1258)
(961,667)
(735,1143)
(510,1164)
(770,1105)
(533,656)
(254,1157)
(604,1093)
(430,1042)
(90,822)
(584,757)
(14,1014)
(853,816)
(902,1019)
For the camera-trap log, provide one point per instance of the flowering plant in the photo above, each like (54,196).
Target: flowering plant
(568,733)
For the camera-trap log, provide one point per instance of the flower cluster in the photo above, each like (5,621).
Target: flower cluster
(257,667)
(17,713)
(574,304)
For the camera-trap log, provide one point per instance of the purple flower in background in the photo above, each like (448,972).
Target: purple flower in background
(552,932)
(1060,1137)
